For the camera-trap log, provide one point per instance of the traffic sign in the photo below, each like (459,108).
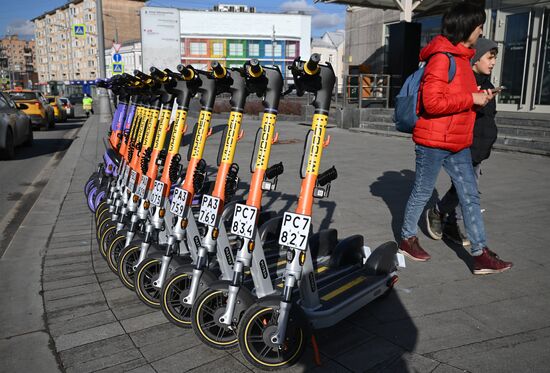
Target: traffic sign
(117,57)
(79,30)
(116,47)
(118,68)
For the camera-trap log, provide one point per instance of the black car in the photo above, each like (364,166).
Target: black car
(15,126)
(76,98)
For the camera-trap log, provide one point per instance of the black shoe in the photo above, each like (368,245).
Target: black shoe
(433,223)
(452,232)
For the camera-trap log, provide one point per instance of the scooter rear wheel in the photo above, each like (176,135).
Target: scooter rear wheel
(174,290)
(126,262)
(147,273)
(255,329)
(207,309)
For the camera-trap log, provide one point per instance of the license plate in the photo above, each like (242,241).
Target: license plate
(125,176)
(295,231)
(156,194)
(132,180)
(142,186)
(244,220)
(209,210)
(179,200)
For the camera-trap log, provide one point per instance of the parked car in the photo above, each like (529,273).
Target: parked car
(58,110)
(38,107)
(76,98)
(15,126)
(69,108)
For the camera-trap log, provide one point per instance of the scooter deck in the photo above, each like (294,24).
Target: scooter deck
(345,295)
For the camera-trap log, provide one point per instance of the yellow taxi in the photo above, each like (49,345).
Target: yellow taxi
(59,111)
(38,107)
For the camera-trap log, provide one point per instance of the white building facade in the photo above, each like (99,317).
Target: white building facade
(229,36)
(130,54)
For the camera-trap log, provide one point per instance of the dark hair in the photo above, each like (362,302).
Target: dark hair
(461,20)
(494,51)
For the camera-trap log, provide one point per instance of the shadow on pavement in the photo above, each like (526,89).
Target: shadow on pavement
(42,147)
(394,187)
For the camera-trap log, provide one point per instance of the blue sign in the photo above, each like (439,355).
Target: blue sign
(117,57)
(79,30)
(118,68)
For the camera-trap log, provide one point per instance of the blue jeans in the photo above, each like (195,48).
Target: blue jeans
(459,167)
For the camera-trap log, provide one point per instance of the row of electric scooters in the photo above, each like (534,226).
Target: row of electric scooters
(236,274)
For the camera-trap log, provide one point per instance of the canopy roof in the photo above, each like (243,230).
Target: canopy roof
(429,6)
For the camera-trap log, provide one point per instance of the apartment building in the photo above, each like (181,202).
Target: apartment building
(16,61)
(68,56)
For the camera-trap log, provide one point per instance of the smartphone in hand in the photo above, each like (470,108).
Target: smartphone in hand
(498,89)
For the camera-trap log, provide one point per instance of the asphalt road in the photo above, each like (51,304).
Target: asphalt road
(22,179)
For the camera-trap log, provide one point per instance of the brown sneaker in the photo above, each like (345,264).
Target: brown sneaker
(411,248)
(489,262)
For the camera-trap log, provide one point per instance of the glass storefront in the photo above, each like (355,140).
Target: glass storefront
(523,65)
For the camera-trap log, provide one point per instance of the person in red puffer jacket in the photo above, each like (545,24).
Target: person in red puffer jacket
(444,132)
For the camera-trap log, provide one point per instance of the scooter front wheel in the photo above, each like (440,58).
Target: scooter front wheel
(175,289)
(257,326)
(107,234)
(113,251)
(126,262)
(146,274)
(207,310)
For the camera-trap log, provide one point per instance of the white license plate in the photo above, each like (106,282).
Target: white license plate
(132,180)
(142,186)
(244,220)
(156,195)
(179,200)
(295,231)
(209,210)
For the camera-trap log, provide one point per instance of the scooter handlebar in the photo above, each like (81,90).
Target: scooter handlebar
(185,71)
(274,171)
(327,176)
(311,67)
(158,74)
(218,69)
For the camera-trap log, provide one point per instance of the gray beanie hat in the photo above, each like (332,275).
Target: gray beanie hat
(483,46)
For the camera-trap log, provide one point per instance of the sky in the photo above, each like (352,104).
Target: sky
(16,15)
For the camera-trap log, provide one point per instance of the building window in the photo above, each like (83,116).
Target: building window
(291,50)
(254,49)
(276,52)
(197,49)
(217,49)
(235,49)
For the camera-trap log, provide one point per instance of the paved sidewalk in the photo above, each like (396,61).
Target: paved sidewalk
(441,318)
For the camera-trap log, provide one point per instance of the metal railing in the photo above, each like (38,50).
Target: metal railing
(365,90)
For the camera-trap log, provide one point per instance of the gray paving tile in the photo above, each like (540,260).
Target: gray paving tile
(349,335)
(68,283)
(50,295)
(81,323)
(74,301)
(52,271)
(187,359)
(90,351)
(70,232)
(76,311)
(226,364)
(164,332)
(164,347)
(130,308)
(62,263)
(369,355)
(109,363)
(143,369)
(442,330)
(143,321)
(135,365)
(66,341)
(52,256)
